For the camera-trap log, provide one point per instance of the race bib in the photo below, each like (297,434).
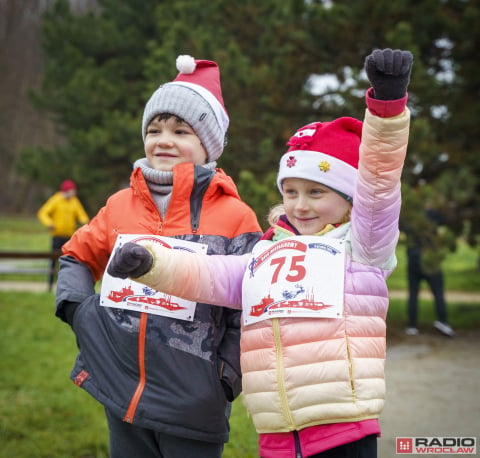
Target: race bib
(295,277)
(131,295)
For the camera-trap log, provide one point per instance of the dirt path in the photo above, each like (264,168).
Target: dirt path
(432,387)
(33,286)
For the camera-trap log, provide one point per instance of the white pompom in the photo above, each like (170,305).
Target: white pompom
(186,64)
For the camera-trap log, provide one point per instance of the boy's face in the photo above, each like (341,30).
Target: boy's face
(310,206)
(170,142)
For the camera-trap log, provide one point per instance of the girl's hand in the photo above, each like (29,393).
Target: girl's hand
(389,72)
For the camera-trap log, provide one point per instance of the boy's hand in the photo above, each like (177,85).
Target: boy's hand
(389,72)
(130,260)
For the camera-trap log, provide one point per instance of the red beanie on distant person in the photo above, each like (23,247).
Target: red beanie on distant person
(67,185)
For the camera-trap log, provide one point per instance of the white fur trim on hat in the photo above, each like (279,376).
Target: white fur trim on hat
(319,167)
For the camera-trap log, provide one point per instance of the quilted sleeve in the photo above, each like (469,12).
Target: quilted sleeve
(215,279)
(377,200)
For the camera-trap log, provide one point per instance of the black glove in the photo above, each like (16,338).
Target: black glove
(389,72)
(69,309)
(130,260)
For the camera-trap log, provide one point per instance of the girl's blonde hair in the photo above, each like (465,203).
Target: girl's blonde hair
(279,210)
(275,213)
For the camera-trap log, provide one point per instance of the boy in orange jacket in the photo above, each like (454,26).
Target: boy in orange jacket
(165,381)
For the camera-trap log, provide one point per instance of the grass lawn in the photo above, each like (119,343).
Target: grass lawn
(23,233)
(44,415)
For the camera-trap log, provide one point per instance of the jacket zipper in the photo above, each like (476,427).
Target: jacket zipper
(195,212)
(201,181)
(281,385)
(280,373)
(350,369)
(130,414)
(298,449)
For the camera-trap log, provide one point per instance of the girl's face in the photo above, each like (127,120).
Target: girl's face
(169,142)
(310,206)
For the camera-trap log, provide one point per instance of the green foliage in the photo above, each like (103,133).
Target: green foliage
(261,196)
(93,85)
(101,67)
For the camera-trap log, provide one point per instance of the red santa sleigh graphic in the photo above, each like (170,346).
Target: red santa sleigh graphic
(127,295)
(268,305)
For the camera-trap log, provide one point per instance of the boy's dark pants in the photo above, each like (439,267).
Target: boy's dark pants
(129,441)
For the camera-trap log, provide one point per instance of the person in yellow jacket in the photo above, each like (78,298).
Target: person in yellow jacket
(61,214)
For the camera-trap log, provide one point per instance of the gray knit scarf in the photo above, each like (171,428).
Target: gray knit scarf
(160,183)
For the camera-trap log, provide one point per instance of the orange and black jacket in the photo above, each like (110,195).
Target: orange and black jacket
(157,372)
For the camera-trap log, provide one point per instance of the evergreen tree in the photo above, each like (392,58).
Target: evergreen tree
(102,67)
(94,87)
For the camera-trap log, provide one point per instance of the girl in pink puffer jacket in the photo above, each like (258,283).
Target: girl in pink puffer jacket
(313,291)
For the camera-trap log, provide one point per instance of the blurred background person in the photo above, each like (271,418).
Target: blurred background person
(62,213)
(427,246)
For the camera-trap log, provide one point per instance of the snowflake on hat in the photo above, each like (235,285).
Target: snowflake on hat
(291,161)
(324,166)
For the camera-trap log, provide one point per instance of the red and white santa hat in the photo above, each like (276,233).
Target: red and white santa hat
(195,95)
(325,152)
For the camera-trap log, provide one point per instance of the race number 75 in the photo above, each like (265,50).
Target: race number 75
(296,271)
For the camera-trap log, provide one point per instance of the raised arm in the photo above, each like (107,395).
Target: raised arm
(383,148)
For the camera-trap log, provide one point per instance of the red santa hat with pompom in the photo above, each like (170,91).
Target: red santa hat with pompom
(195,95)
(326,153)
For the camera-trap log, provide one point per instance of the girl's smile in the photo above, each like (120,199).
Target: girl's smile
(310,206)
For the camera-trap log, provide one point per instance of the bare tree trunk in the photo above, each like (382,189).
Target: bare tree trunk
(21,125)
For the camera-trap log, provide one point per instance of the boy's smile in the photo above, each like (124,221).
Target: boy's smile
(170,142)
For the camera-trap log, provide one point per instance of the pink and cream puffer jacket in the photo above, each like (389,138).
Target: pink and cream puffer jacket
(301,372)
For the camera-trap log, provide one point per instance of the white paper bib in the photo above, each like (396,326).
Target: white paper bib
(131,295)
(300,276)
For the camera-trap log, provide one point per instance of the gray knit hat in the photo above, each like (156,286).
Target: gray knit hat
(195,95)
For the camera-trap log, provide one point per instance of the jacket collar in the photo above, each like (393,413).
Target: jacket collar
(283,229)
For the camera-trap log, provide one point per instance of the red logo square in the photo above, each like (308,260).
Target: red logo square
(404,445)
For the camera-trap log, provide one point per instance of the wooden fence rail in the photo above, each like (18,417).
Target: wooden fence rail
(6,268)
(30,254)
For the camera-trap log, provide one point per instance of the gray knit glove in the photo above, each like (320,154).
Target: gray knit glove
(130,260)
(389,72)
